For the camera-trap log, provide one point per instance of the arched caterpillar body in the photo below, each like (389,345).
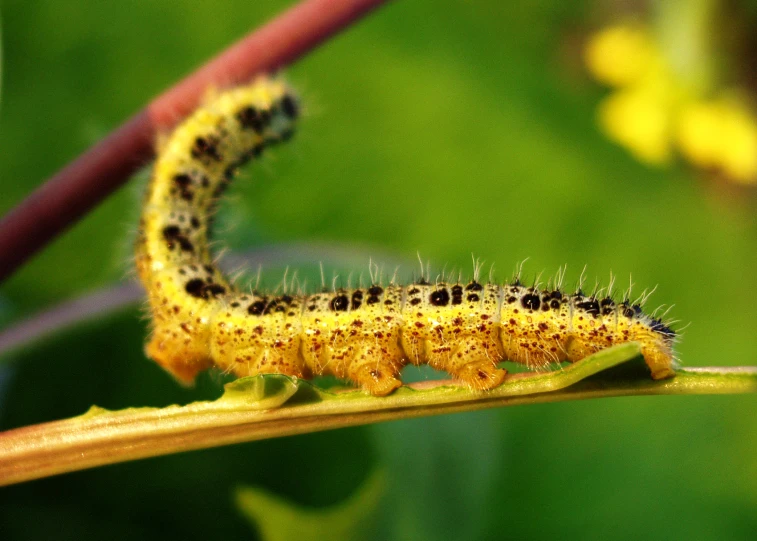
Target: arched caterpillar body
(365,335)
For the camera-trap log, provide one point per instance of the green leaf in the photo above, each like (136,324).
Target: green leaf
(281,520)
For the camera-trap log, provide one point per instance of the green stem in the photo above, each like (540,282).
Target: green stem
(271,406)
(685,32)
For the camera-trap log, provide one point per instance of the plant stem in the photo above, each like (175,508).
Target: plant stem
(273,406)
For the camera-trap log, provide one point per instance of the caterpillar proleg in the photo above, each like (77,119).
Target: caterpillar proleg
(365,335)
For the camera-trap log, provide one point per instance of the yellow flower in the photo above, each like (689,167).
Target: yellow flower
(620,55)
(653,108)
(640,121)
(698,133)
(739,146)
(720,134)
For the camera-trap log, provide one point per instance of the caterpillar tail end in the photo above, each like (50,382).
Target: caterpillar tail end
(659,358)
(665,373)
(660,367)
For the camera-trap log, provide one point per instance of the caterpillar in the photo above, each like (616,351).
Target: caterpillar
(364,335)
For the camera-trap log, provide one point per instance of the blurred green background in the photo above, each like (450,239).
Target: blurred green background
(443,128)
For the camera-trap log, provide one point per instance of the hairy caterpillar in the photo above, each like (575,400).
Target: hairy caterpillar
(365,335)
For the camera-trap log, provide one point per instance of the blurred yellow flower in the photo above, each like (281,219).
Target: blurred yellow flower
(620,55)
(722,135)
(738,144)
(652,110)
(698,133)
(639,122)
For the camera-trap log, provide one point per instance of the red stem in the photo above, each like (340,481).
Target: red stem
(83,183)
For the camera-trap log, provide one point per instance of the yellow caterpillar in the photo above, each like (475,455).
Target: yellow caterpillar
(364,335)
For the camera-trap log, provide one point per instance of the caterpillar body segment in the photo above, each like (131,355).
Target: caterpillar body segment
(354,334)
(456,329)
(364,335)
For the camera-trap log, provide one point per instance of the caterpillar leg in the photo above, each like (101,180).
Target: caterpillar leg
(372,367)
(481,375)
(578,348)
(177,352)
(248,345)
(470,361)
(360,344)
(374,372)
